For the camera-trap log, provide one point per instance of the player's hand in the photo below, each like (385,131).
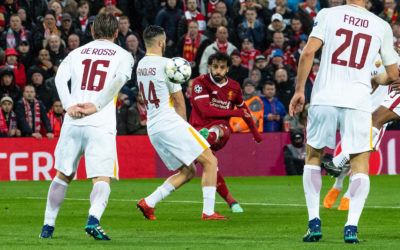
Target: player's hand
(37,136)
(297,103)
(258,138)
(88,108)
(75,112)
(50,136)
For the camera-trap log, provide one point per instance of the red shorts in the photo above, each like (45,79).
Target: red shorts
(222,140)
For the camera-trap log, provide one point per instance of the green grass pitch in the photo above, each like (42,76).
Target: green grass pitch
(275,217)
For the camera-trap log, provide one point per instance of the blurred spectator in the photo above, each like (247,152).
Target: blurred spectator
(248,54)
(255,105)
(12,60)
(83,18)
(8,119)
(335,3)
(87,35)
(72,43)
(56,6)
(70,6)
(274,111)
(147,11)
(282,9)
(123,31)
(191,45)
(7,84)
(261,64)
(237,72)
(95,6)
(56,48)
(263,13)
(168,18)
(284,87)
(307,13)
(46,29)
(294,154)
(221,44)
(310,80)
(396,34)
(300,46)
(2,23)
(110,6)
(255,76)
(277,25)
(390,12)
(44,62)
(252,29)
(188,96)
(132,45)
(277,62)
(31,114)
(278,42)
(44,92)
(8,8)
(25,53)
(213,23)
(191,14)
(15,34)
(221,7)
(35,11)
(132,119)
(67,28)
(56,117)
(295,30)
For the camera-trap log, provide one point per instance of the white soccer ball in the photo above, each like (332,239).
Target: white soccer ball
(178,70)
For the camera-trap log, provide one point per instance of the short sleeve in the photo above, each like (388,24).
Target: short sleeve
(319,28)
(388,54)
(126,65)
(173,87)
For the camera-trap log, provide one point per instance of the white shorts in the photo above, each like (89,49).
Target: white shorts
(98,146)
(392,102)
(178,146)
(355,128)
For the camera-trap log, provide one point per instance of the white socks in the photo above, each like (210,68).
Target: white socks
(312,187)
(55,198)
(341,159)
(99,198)
(339,180)
(161,192)
(359,189)
(209,200)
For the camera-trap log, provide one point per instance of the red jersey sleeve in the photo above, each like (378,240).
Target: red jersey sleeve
(201,102)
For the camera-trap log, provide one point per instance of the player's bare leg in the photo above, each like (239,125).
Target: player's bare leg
(359,189)
(55,198)
(209,182)
(147,205)
(312,187)
(212,136)
(380,117)
(98,203)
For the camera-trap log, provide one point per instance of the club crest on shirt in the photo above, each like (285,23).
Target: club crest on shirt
(198,88)
(378,63)
(230,95)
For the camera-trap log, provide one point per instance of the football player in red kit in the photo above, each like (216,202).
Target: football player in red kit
(214,97)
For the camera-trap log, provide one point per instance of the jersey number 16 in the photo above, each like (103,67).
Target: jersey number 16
(88,82)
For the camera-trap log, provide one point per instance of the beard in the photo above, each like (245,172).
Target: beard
(217,77)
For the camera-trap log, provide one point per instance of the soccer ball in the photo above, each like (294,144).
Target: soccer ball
(178,70)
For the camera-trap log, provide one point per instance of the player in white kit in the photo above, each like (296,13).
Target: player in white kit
(175,140)
(97,72)
(351,38)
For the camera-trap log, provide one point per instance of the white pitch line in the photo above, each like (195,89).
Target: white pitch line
(218,202)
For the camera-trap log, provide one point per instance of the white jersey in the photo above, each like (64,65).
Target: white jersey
(92,69)
(156,90)
(352,38)
(383,90)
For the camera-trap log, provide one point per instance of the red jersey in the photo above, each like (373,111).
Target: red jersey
(212,101)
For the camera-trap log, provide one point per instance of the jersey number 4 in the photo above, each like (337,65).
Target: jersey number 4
(88,77)
(152,98)
(354,46)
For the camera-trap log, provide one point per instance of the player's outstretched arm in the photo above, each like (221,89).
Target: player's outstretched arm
(305,64)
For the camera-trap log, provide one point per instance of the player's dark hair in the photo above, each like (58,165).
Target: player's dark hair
(221,57)
(105,25)
(150,33)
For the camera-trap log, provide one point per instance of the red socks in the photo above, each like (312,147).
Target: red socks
(222,189)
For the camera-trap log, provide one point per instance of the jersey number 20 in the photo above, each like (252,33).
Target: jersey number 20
(88,84)
(354,46)
(152,95)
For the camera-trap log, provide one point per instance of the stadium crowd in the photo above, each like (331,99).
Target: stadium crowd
(264,39)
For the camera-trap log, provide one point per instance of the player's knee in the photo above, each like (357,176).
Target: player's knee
(65,178)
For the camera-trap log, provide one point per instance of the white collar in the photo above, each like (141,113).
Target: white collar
(218,84)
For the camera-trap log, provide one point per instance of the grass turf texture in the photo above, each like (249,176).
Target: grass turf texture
(266,223)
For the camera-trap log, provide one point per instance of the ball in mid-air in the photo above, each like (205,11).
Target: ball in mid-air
(178,70)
